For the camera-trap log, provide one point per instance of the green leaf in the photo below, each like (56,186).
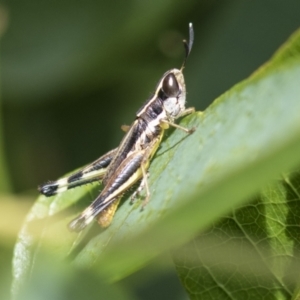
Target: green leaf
(254,251)
(245,139)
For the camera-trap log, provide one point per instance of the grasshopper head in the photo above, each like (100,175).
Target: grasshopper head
(172,86)
(172,92)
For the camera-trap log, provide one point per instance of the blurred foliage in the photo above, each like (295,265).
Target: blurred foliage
(73,69)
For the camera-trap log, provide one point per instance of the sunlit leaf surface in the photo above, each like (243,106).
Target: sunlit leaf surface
(245,139)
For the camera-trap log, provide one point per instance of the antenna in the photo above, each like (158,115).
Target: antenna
(188,45)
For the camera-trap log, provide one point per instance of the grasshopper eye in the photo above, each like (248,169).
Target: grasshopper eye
(170,86)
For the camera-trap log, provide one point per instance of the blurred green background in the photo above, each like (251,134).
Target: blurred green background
(73,72)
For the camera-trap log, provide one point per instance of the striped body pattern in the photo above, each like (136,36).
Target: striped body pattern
(121,168)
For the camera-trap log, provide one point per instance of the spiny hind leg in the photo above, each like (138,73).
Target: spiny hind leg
(91,173)
(114,188)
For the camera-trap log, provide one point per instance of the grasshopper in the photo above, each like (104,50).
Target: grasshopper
(122,167)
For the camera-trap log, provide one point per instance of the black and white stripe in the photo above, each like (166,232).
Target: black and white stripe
(120,168)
